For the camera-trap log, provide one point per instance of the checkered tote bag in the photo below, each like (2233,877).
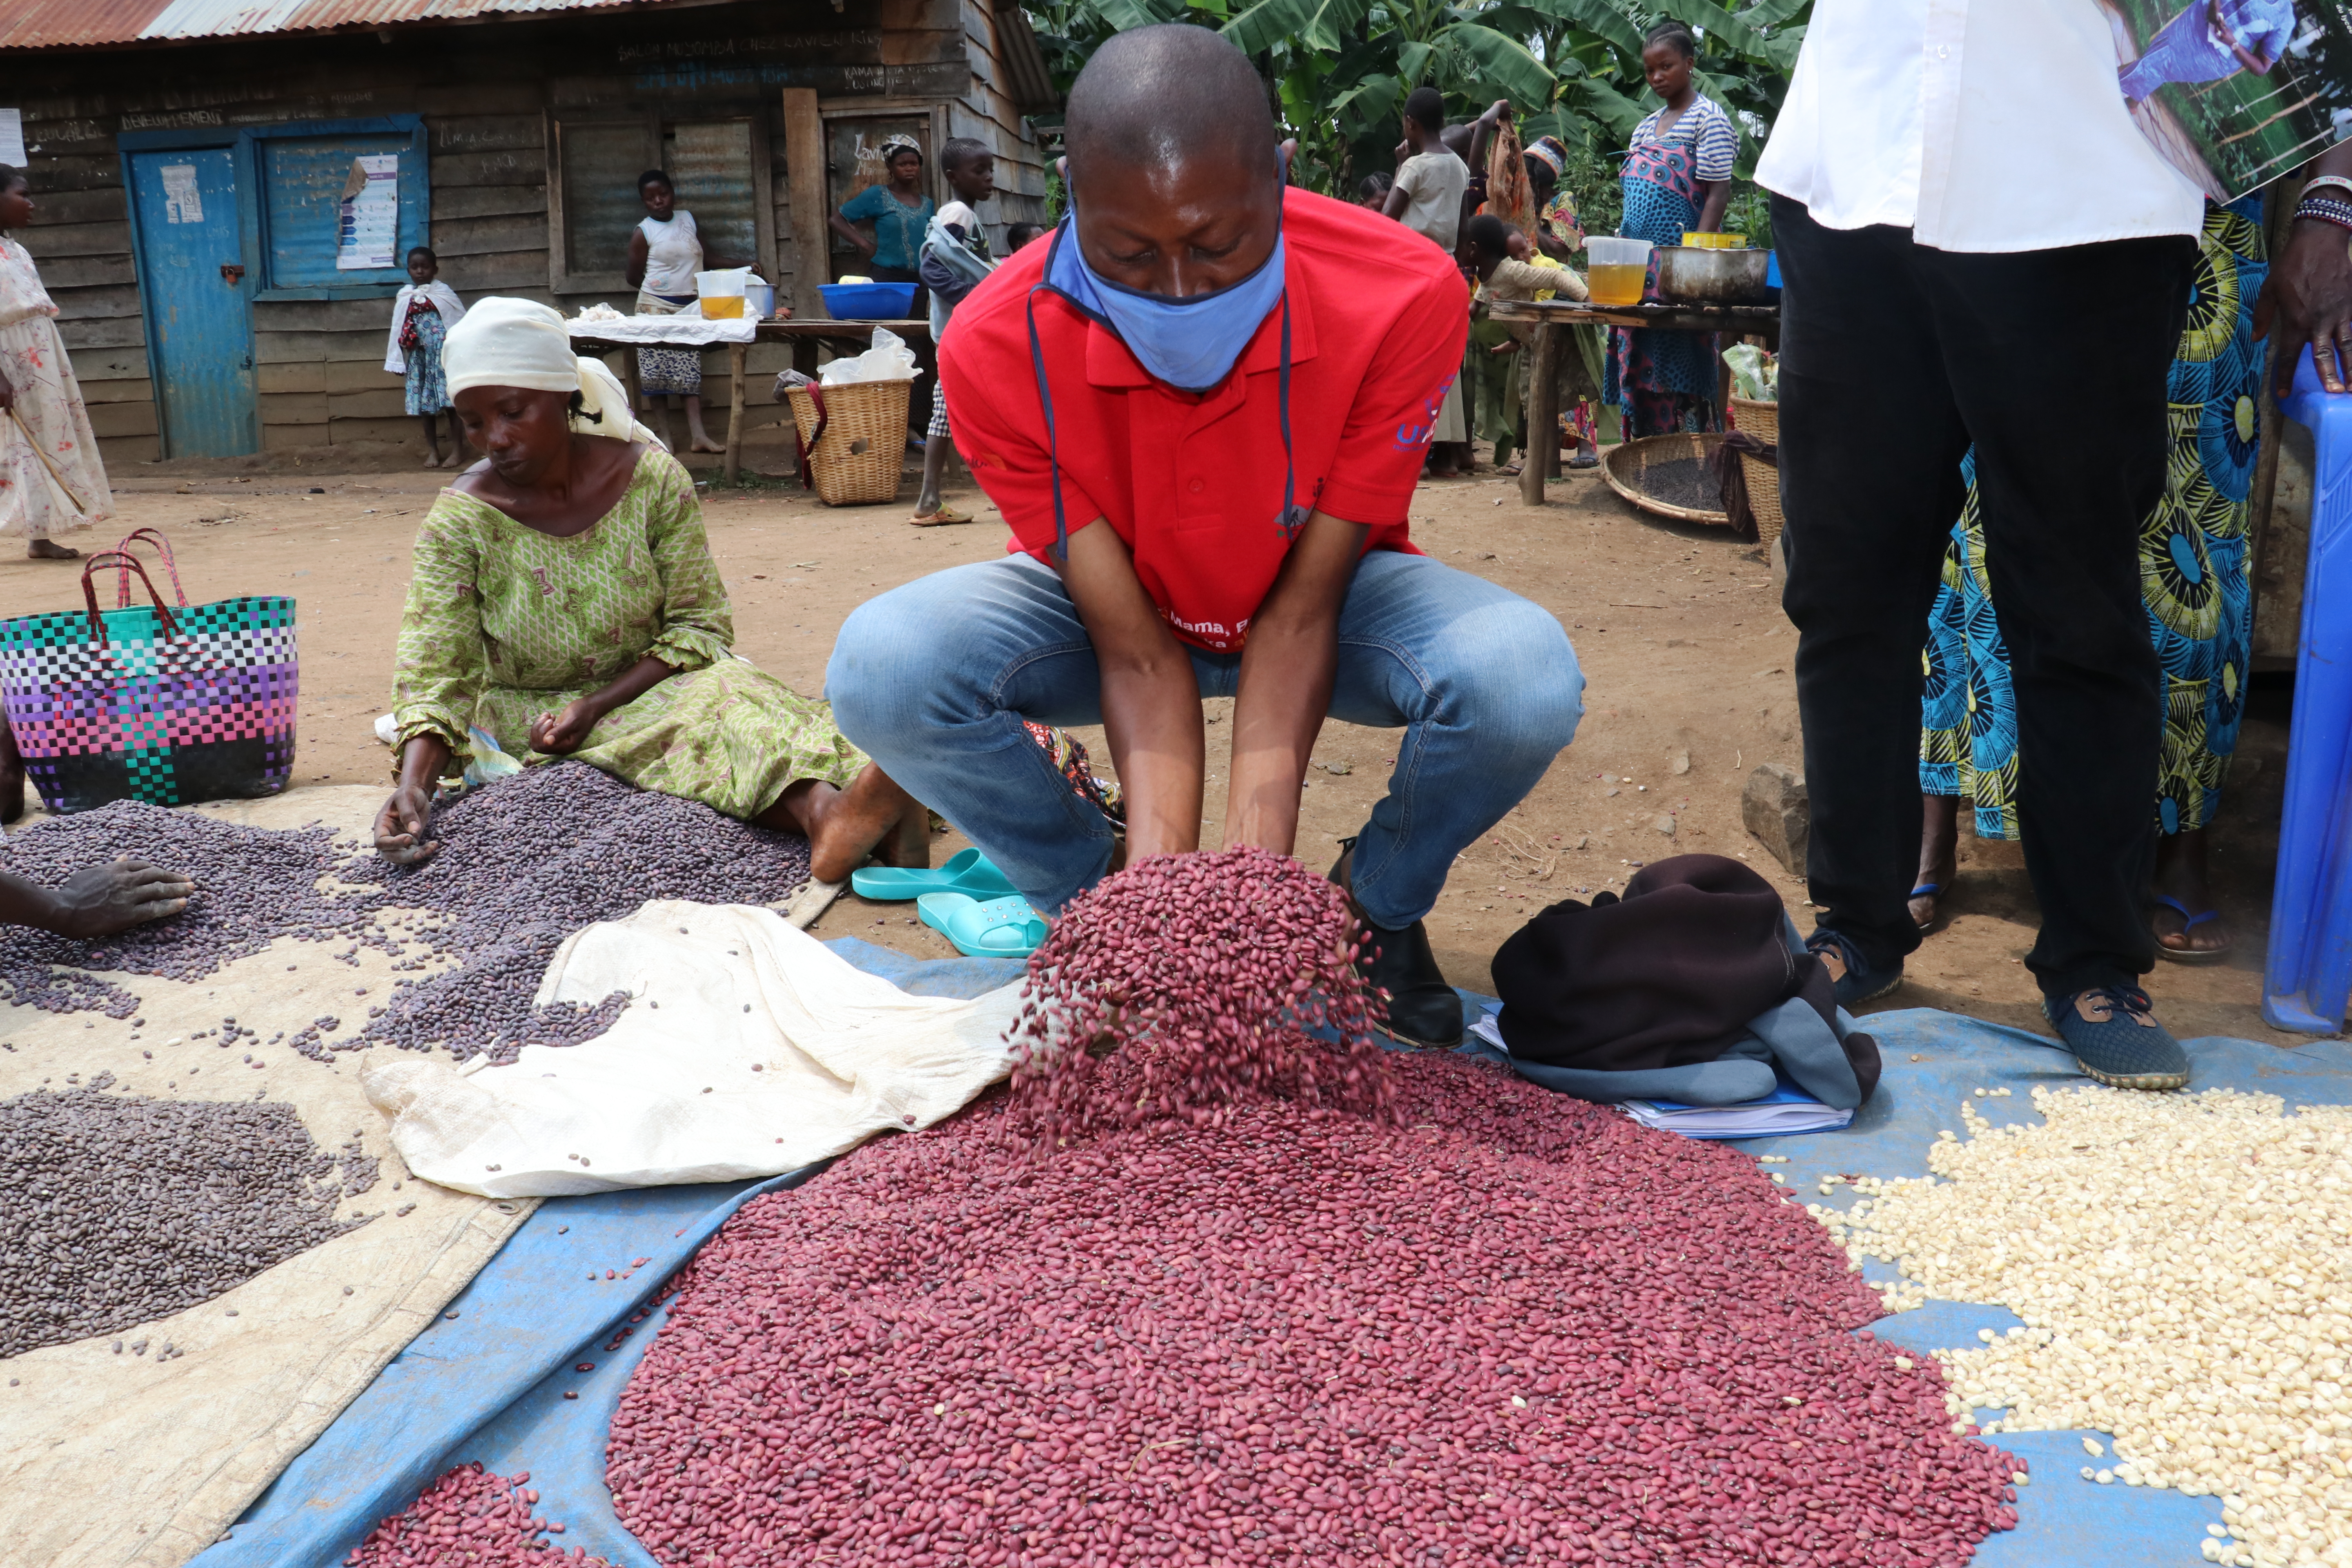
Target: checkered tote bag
(172,705)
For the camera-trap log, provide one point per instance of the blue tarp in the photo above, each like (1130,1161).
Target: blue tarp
(489,1382)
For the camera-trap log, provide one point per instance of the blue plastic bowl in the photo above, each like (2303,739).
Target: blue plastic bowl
(869,302)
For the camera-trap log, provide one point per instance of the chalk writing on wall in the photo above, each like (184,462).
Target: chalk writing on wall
(171,121)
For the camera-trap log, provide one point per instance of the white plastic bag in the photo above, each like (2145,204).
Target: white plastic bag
(889,360)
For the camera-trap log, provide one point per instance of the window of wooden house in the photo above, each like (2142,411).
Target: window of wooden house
(340,202)
(719,168)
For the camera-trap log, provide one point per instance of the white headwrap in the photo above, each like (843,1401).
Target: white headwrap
(520,342)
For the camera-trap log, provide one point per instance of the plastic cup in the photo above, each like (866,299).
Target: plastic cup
(1620,269)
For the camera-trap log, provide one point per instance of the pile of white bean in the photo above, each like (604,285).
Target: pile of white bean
(2183,1265)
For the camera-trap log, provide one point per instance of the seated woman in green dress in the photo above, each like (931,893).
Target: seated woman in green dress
(564,601)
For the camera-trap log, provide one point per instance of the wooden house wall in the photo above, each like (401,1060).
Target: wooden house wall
(486,95)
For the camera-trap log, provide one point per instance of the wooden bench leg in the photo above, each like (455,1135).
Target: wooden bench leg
(1543,415)
(735,353)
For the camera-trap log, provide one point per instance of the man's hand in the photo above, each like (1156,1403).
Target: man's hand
(1151,698)
(563,733)
(100,901)
(1504,348)
(1288,668)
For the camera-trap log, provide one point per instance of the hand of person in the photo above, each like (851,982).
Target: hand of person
(1510,348)
(400,827)
(2309,294)
(559,734)
(7,394)
(1499,111)
(100,901)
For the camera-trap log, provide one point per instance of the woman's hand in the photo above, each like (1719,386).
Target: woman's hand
(560,735)
(2309,294)
(7,394)
(400,828)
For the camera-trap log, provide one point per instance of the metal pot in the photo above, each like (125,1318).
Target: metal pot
(1688,275)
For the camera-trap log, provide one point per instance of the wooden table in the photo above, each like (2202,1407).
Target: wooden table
(805,337)
(1548,316)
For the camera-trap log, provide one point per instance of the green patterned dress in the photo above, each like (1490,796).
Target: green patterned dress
(2195,573)
(504,623)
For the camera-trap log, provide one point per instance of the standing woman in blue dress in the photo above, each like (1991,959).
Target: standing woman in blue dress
(1676,177)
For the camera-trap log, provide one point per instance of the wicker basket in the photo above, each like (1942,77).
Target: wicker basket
(853,440)
(1761,420)
(1625,464)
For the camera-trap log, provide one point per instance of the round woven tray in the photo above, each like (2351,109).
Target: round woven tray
(1623,464)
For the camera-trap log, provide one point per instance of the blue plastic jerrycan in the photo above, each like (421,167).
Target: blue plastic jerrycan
(2307,978)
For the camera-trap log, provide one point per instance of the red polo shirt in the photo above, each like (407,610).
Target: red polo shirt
(1193,484)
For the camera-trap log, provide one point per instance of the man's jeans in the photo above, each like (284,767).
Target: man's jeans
(933,679)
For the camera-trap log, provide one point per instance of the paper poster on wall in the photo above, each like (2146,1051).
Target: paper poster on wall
(369,214)
(12,137)
(182,204)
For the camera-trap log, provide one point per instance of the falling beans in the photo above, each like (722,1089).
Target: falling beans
(1205,972)
(472,1518)
(1492,1324)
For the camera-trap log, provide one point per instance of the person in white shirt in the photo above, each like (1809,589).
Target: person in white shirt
(1426,198)
(1965,218)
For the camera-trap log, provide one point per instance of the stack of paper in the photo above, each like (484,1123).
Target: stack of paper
(1783,1111)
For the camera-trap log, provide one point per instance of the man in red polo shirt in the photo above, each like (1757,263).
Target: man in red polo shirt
(1202,405)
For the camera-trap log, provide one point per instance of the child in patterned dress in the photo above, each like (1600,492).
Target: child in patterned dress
(422,314)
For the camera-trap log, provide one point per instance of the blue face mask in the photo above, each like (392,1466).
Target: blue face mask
(1191,343)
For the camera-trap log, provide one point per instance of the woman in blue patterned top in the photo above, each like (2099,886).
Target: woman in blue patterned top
(1676,176)
(900,212)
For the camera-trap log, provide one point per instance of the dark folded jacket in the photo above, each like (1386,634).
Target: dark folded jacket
(1696,963)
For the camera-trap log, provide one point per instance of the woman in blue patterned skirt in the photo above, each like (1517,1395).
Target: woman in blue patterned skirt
(2195,577)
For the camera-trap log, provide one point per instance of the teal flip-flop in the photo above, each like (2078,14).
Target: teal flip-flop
(999,928)
(967,871)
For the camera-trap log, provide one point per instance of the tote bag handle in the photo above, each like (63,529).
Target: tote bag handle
(122,575)
(126,563)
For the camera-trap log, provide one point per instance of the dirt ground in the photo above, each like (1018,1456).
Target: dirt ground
(1685,650)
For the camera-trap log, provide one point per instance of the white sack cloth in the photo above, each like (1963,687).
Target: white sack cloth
(688,331)
(749,1050)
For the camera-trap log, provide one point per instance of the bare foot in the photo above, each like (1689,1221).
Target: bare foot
(48,550)
(432,461)
(705,444)
(843,826)
(1940,838)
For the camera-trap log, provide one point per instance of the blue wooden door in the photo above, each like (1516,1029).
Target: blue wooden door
(200,326)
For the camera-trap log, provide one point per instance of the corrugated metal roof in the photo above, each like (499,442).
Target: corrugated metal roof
(69,24)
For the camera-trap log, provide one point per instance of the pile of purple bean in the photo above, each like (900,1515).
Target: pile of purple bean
(1206,974)
(1506,1326)
(523,864)
(469,1519)
(120,1210)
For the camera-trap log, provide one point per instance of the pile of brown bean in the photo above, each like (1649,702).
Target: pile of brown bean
(523,864)
(1505,1327)
(120,1210)
(1203,972)
(469,1519)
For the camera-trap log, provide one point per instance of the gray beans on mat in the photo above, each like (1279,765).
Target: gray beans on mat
(120,1210)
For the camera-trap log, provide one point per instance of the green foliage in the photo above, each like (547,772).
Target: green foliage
(1339,70)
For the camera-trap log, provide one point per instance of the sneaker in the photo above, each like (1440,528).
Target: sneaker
(2114,1037)
(1423,1010)
(1852,980)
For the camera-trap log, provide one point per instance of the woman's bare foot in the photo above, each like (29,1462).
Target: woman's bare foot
(49,550)
(433,460)
(2197,936)
(843,826)
(705,444)
(1939,839)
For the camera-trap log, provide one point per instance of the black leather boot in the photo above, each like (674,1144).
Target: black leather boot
(1423,1010)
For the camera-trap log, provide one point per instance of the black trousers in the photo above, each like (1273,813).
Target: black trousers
(1894,359)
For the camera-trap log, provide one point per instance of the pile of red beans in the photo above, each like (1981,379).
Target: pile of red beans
(1205,972)
(1492,1325)
(469,1519)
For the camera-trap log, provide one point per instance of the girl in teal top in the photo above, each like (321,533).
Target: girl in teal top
(900,212)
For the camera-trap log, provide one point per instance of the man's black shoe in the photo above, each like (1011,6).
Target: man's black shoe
(1423,1010)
